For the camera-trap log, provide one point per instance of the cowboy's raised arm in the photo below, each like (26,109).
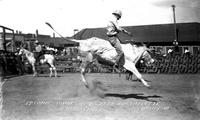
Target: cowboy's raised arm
(125,31)
(122,29)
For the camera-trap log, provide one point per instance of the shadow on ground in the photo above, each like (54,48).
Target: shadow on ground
(136,96)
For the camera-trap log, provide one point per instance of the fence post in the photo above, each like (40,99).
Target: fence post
(1,92)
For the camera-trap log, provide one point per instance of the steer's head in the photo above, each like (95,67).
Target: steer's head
(146,57)
(21,51)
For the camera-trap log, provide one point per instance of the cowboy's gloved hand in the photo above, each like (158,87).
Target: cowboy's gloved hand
(129,33)
(123,30)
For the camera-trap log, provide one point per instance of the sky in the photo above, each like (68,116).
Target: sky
(67,15)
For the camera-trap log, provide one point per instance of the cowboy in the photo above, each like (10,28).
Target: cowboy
(112,32)
(38,51)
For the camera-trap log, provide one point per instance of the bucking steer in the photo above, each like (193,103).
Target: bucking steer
(101,50)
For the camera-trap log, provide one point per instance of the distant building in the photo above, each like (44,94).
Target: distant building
(159,37)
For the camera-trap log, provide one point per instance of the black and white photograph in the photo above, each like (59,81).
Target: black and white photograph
(100,60)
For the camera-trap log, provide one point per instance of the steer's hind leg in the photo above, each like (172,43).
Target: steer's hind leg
(85,62)
(131,67)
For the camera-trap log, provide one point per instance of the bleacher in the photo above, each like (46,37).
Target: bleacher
(174,64)
(170,64)
(67,63)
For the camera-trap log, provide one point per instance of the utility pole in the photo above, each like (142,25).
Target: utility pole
(175,28)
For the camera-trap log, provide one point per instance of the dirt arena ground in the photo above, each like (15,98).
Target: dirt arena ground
(171,97)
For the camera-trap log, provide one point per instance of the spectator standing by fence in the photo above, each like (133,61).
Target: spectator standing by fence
(176,47)
(20,64)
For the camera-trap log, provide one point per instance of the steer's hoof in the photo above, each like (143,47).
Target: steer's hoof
(147,85)
(86,85)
